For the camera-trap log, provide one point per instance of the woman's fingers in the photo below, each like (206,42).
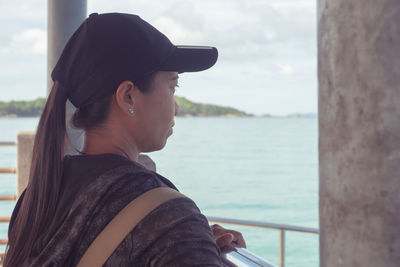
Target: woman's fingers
(238,238)
(225,241)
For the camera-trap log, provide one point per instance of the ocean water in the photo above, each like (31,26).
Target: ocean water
(263,169)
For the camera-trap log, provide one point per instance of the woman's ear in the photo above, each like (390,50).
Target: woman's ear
(125,97)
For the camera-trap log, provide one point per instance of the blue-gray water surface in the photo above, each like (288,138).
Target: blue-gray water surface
(263,169)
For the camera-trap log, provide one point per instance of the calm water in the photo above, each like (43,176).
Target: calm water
(262,169)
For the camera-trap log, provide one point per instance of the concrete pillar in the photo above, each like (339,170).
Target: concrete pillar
(64,17)
(24,157)
(359,132)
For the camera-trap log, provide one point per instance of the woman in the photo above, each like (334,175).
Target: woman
(120,73)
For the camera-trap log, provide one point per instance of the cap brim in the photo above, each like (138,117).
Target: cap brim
(190,59)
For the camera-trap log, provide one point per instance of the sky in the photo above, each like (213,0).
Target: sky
(267,49)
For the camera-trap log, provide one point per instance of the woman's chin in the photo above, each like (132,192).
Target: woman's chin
(155,147)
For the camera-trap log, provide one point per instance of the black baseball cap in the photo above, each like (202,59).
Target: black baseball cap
(113,47)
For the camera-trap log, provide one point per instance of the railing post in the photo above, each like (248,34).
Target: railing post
(24,157)
(281,248)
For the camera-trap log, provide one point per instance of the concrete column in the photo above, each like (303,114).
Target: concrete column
(64,17)
(24,157)
(359,132)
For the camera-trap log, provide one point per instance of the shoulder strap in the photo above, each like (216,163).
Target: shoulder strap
(119,227)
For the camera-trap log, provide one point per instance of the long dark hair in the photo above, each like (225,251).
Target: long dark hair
(41,196)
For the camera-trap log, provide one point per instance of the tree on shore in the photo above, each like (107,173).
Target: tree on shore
(34,108)
(22,108)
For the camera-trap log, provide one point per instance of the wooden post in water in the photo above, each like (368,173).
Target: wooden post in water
(359,132)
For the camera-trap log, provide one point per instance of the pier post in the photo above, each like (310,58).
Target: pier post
(359,132)
(64,17)
(24,157)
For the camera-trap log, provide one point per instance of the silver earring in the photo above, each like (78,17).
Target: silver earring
(131,111)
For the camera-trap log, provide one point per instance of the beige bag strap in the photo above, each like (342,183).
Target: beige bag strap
(123,223)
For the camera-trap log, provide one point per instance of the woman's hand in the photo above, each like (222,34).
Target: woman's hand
(226,239)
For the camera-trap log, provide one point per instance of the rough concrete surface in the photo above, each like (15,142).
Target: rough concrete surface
(359,132)
(64,17)
(25,142)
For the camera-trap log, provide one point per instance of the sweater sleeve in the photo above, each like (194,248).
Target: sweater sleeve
(174,234)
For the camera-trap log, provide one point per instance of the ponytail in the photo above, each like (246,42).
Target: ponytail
(39,204)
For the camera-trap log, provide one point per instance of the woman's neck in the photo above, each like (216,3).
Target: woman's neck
(103,142)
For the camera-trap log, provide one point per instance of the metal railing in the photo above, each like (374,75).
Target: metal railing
(5,170)
(282,228)
(8,143)
(11,170)
(243,257)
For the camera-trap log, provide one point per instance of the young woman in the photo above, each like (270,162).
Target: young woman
(120,73)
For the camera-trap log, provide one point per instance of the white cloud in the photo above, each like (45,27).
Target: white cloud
(294,4)
(177,33)
(33,41)
(286,69)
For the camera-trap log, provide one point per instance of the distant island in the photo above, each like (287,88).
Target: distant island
(191,109)
(302,115)
(293,115)
(31,108)
(34,108)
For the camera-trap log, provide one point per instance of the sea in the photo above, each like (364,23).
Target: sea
(260,169)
